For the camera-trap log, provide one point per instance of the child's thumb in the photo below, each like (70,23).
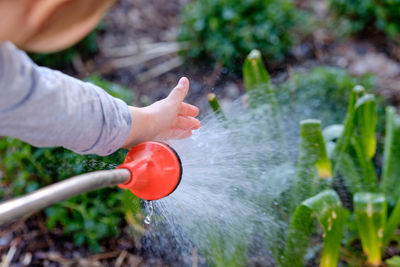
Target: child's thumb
(180,91)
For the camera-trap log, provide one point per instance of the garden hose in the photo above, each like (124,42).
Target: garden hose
(151,170)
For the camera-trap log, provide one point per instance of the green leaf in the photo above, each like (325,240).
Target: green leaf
(313,165)
(350,173)
(391,157)
(364,141)
(257,82)
(225,249)
(370,210)
(392,224)
(262,99)
(132,209)
(369,181)
(113,89)
(327,208)
(349,124)
(393,261)
(366,123)
(213,101)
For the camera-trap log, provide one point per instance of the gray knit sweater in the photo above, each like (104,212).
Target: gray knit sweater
(47,108)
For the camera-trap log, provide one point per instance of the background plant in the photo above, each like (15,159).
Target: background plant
(383,15)
(352,159)
(225,31)
(322,92)
(352,147)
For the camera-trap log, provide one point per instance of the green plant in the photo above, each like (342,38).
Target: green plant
(231,248)
(87,218)
(321,92)
(343,152)
(383,15)
(313,166)
(224,31)
(370,211)
(214,104)
(327,208)
(113,89)
(357,142)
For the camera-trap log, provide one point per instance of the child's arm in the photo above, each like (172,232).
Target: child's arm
(47,108)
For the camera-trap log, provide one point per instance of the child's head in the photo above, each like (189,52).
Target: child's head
(49,25)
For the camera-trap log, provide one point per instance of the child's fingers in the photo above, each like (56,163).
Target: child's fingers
(180,91)
(188,110)
(185,122)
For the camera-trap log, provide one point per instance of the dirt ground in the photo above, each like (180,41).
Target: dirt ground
(138,49)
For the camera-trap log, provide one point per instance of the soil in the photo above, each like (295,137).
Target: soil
(134,28)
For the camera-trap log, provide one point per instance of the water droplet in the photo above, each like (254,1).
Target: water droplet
(147,220)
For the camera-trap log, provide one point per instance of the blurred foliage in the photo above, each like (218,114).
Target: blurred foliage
(113,89)
(226,31)
(383,15)
(354,147)
(321,92)
(87,218)
(62,59)
(348,171)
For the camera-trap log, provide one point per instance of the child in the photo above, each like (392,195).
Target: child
(48,108)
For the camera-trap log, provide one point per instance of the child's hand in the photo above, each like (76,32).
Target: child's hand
(169,118)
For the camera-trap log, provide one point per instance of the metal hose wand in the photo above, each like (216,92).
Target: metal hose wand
(151,171)
(49,195)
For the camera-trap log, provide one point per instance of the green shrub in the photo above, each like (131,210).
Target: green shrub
(320,91)
(226,31)
(383,15)
(113,89)
(87,218)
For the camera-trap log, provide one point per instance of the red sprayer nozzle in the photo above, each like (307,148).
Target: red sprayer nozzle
(155,169)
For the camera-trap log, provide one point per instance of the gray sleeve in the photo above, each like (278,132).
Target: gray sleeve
(47,108)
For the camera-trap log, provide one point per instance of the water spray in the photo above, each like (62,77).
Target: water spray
(151,170)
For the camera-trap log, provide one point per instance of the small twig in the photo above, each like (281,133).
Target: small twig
(106,255)
(56,257)
(132,49)
(121,258)
(147,55)
(159,69)
(10,255)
